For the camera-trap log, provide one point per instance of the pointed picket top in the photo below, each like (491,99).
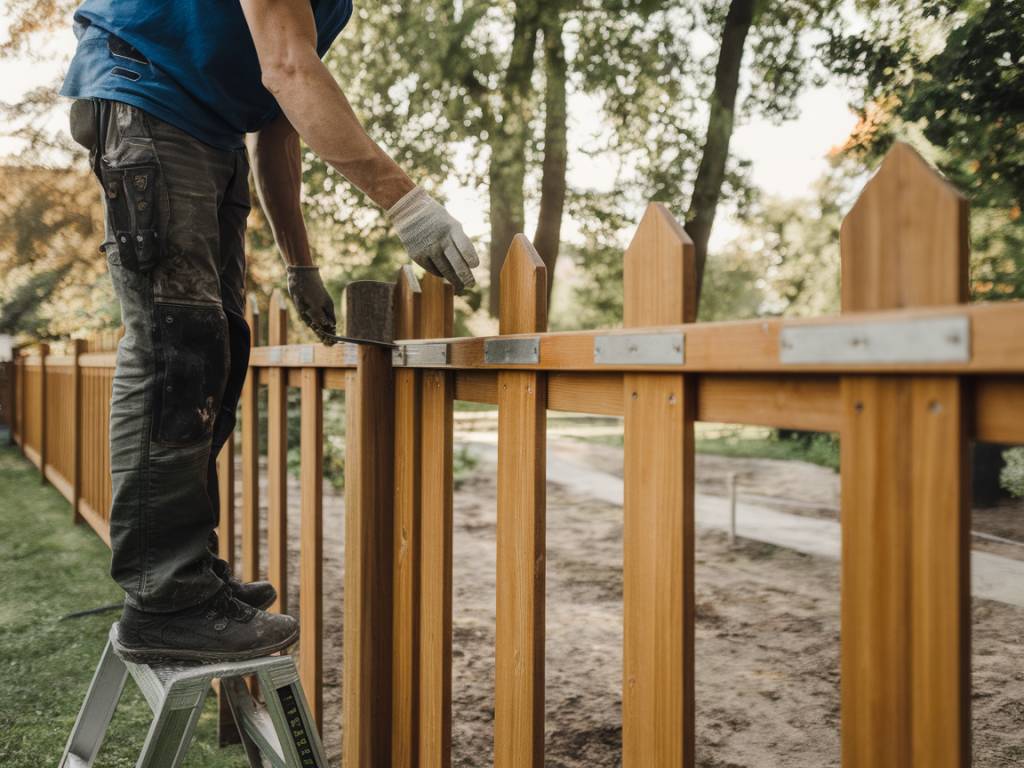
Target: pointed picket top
(408,295)
(437,312)
(277,322)
(524,287)
(904,242)
(659,272)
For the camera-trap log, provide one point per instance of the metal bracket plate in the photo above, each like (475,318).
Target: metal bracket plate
(922,340)
(521,351)
(425,355)
(640,349)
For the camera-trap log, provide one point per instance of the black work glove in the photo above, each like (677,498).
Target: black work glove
(312,301)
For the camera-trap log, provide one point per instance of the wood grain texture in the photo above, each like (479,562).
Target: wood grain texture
(521,556)
(277,458)
(226,491)
(940,617)
(999,409)
(311,541)
(369,541)
(435,668)
(227,731)
(905,656)
(658,545)
(406,602)
(250,512)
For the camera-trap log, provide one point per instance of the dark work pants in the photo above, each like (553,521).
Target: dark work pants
(175,247)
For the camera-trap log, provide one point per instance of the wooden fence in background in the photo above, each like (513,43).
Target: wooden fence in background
(908,374)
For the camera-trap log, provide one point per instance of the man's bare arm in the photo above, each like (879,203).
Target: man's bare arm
(277,168)
(284,32)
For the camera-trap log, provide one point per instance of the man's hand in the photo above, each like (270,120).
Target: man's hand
(434,239)
(312,301)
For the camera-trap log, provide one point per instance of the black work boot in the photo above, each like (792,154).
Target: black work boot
(258,594)
(221,629)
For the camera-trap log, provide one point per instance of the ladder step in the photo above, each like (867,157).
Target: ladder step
(281,733)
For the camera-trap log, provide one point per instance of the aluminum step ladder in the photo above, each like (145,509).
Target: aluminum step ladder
(280,732)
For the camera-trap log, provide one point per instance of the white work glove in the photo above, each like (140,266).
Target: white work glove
(312,301)
(434,239)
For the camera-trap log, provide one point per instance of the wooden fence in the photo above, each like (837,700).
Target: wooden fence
(908,374)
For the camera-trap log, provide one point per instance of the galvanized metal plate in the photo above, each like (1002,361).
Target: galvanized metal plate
(425,355)
(921,340)
(521,351)
(306,354)
(640,349)
(275,355)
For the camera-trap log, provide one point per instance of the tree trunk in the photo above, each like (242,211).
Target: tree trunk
(507,172)
(708,187)
(547,239)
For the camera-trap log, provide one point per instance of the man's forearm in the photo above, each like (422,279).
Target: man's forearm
(277,168)
(285,37)
(322,114)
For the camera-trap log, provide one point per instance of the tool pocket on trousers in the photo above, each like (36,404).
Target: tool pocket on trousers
(191,345)
(137,202)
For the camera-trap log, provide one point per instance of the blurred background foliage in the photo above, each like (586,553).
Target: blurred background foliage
(478,92)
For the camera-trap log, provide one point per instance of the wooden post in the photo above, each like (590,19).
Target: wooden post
(435,635)
(251,458)
(13,408)
(311,542)
(522,413)
(22,402)
(44,350)
(227,730)
(658,536)
(369,532)
(77,347)
(226,490)
(905,659)
(406,614)
(277,459)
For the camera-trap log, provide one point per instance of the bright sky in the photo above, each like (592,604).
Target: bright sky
(785,159)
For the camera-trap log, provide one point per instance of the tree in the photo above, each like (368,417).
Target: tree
(491,80)
(946,75)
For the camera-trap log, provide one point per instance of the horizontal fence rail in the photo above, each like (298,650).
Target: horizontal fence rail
(907,375)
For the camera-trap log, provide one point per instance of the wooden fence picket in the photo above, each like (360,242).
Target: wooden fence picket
(311,541)
(251,456)
(521,555)
(435,535)
(905,635)
(277,457)
(658,544)
(369,538)
(407,503)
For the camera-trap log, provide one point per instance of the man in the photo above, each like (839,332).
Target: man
(166,91)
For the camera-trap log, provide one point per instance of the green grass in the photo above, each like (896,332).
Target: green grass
(49,568)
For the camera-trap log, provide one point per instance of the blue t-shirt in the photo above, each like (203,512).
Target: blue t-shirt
(190,63)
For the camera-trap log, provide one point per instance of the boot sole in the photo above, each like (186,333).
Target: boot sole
(199,656)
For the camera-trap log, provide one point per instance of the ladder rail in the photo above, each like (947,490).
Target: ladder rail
(281,731)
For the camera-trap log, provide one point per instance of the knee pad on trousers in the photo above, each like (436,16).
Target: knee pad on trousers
(192,356)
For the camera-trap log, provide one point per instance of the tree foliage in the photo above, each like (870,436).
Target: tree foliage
(948,75)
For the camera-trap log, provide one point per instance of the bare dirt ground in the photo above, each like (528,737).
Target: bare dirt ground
(767,630)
